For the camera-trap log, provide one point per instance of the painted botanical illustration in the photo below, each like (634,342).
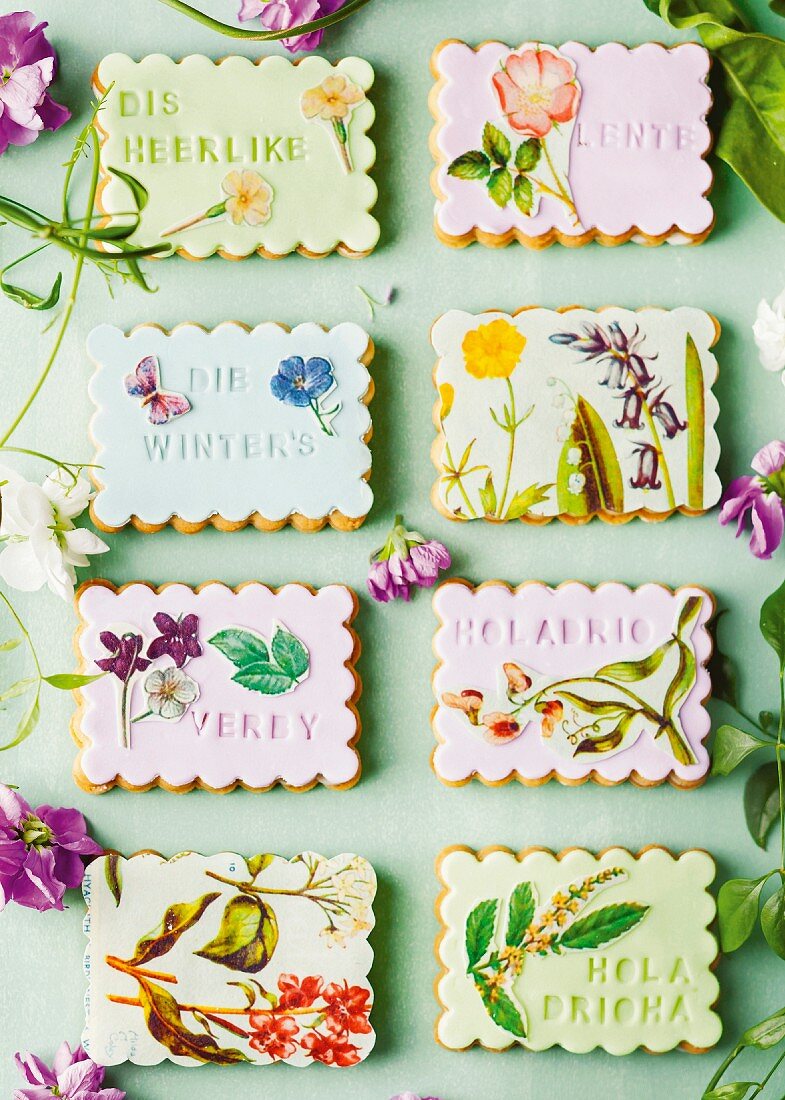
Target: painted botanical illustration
(306,384)
(538,97)
(265,1014)
(332,103)
(498,944)
(247,200)
(276,667)
(160,405)
(599,714)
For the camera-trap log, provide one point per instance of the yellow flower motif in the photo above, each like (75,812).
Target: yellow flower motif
(332,100)
(250,198)
(515,957)
(493,350)
(447,394)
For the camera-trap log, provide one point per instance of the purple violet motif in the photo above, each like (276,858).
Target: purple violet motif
(125,657)
(178,638)
(406,561)
(648,467)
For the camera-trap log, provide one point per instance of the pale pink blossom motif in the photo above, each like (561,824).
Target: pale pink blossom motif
(761,498)
(280,15)
(28,66)
(537,89)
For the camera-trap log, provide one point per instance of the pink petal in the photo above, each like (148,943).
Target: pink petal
(554,71)
(12,806)
(768,525)
(769,459)
(524,68)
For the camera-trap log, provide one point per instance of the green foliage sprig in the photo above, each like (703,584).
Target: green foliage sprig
(752,136)
(231,31)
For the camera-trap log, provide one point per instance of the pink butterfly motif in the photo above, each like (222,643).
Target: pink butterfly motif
(145,383)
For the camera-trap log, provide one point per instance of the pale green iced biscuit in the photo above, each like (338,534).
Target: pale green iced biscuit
(578,951)
(241,157)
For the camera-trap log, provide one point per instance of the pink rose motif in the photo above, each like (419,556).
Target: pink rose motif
(536,88)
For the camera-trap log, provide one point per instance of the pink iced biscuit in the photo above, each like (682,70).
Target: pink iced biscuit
(217,687)
(620,140)
(572,683)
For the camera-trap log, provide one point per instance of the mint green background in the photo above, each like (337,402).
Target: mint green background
(399,816)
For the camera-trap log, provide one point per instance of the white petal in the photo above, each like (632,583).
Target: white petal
(69,499)
(19,567)
(154,682)
(171,709)
(80,542)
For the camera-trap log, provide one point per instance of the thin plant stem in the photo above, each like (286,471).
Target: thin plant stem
(562,189)
(137,971)
(769,1075)
(724,1067)
(513,430)
(666,475)
(265,36)
(216,1010)
(458,477)
(780,777)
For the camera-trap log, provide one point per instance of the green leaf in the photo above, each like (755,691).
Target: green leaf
(257,864)
(501,1009)
(722,671)
(772,622)
(28,298)
(247,937)
(731,747)
(25,726)
(767,1034)
(696,425)
(777,6)
(480,925)
(602,487)
(263,677)
(523,502)
(500,186)
(177,920)
(165,1024)
(290,653)
(682,683)
(600,708)
(735,1090)
(762,802)
(138,190)
(67,681)
(603,927)
(114,876)
(528,155)
(766,719)
(488,496)
(20,687)
(737,909)
(496,145)
(470,166)
(685,14)
(520,914)
(240,646)
(12,643)
(523,193)
(688,615)
(631,672)
(772,921)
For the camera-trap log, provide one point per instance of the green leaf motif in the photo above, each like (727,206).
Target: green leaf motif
(731,747)
(263,677)
(177,920)
(114,876)
(767,1034)
(772,622)
(496,145)
(500,187)
(165,1024)
(737,910)
(772,921)
(240,646)
(595,483)
(683,681)
(631,672)
(520,914)
(67,681)
(734,1090)
(290,654)
(470,166)
(523,193)
(257,864)
(523,502)
(501,1009)
(488,496)
(28,298)
(247,937)
(12,643)
(762,802)
(602,927)
(480,925)
(138,191)
(528,155)
(696,425)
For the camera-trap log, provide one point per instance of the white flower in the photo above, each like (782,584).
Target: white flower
(170,693)
(40,542)
(576,483)
(334,937)
(574,456)
(769,331)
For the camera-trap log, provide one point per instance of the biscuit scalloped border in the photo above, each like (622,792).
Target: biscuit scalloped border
(553,236)
(83,742)
(309,525)
(480,854)
(613,518)
(339,247)
(634,777)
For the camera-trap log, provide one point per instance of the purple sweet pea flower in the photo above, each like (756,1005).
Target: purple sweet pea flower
(28,66)
(280,15)
(40,852)
(762,497)
(406,561)
(73,1076)
(179,638)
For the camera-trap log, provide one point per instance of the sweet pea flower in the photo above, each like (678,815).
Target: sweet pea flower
(28,66)
(73,1076)
(407,560)
(41,544)
(412,1096)
(40,852)
(280,15)
(762,497)
(769,332)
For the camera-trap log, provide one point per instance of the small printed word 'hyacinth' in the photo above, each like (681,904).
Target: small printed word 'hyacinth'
(280,15)
(40,852)
(28,66)
(762,497)
(407,560)
(72,1076)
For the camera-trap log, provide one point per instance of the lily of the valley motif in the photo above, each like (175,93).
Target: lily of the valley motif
(527,155)
(598,714)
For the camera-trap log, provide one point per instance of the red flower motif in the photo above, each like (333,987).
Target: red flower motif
(296,993)
(273,1035)
(330,1050)
(536,88)
(518,682)
(347,1009)
(552,713)
(500,729)
(470,702)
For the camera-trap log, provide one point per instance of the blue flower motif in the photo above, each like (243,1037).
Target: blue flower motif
(302,383)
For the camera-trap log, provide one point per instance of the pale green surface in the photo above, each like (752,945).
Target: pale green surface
(399,816)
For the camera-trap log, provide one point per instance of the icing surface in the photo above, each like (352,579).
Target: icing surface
(242,447)
(650,984)
(290,721)
(638,142)
(576,713)
(182,128)
(213,943)
(613,411)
